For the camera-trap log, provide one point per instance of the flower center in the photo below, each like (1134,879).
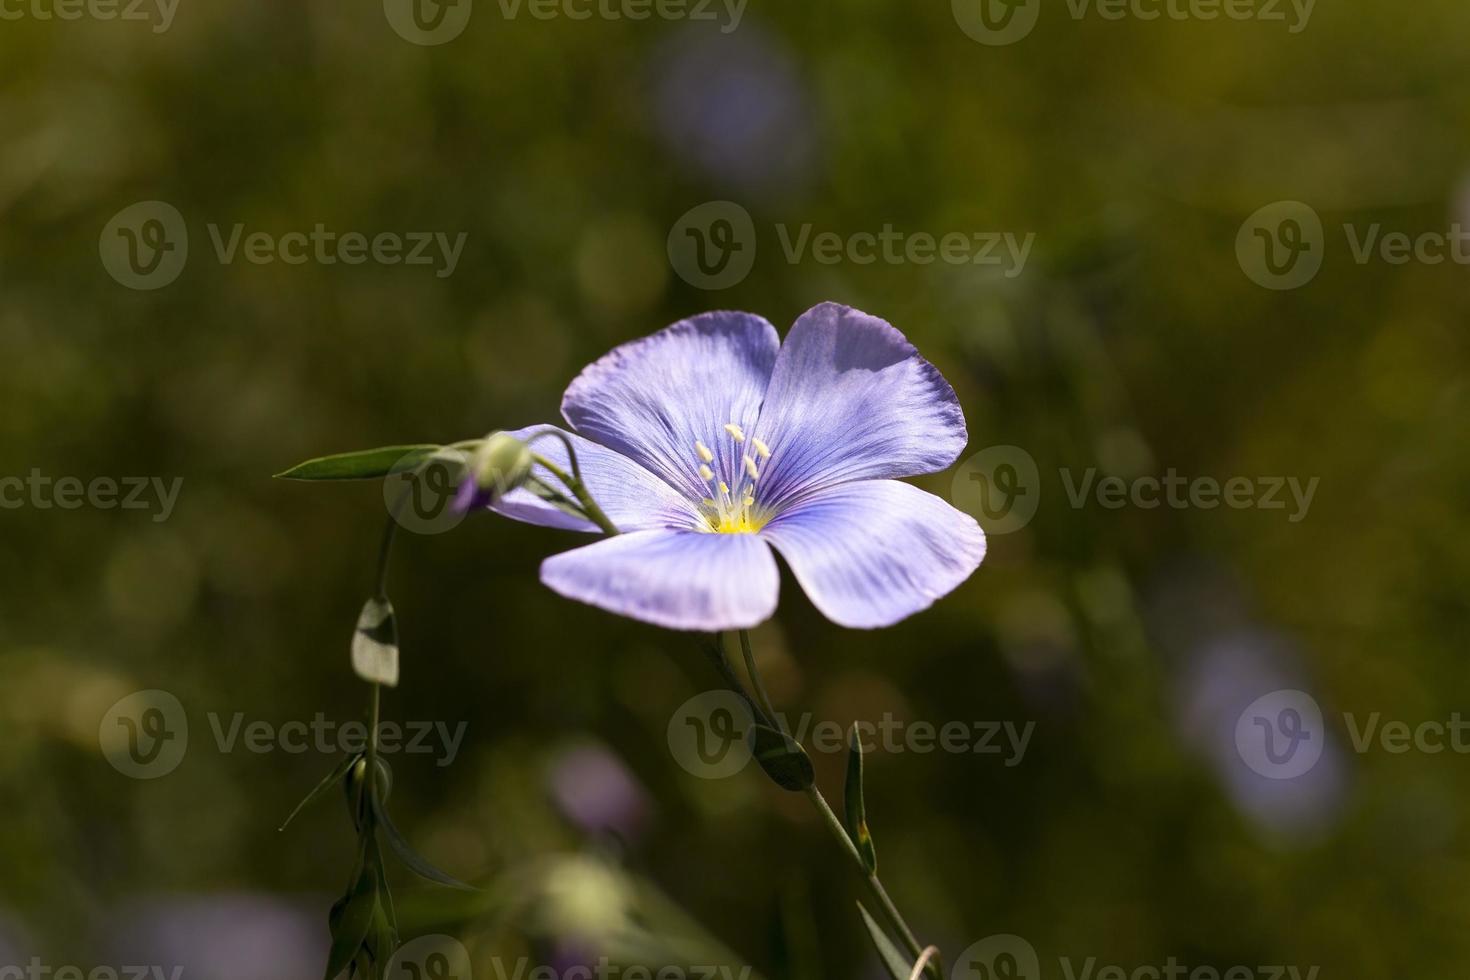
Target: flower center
(733,510)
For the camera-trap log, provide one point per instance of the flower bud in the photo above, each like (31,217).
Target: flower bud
(352,785)
(501,464)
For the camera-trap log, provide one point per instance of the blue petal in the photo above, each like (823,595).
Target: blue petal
(632,497)
(682,580)
(851,399)
(871,553)
(652,399)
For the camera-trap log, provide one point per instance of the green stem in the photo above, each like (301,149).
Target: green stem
(755,682)
(574,483)
(837,830)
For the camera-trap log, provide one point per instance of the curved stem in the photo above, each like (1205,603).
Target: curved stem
(565,441)
(385,547)
(835,827)
(579,490)
(755,681)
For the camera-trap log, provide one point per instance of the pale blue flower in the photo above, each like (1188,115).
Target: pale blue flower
(710,442)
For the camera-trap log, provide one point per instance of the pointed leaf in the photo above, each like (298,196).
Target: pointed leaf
(894,962)
(352,916)
(331,779)
(782,757)
(367,464)
(853,804)
(411,859)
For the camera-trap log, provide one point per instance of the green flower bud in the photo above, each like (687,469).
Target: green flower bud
(352,785)
(501,464)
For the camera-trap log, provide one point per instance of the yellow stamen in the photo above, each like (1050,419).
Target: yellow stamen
(706,473)
(704,453)
(750,468)
(735,431)
(762,448)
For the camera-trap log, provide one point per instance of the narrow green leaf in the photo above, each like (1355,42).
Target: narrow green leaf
(782,757)
(894,962)
(411,859)
(367,464)
(331,779)
(352,916)
(853,804)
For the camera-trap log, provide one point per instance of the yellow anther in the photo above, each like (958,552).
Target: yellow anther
(704,453)
(735,431)
(723,487)
(761,448)
(706,474)
(750,468)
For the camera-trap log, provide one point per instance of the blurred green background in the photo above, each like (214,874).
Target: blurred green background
(566,150)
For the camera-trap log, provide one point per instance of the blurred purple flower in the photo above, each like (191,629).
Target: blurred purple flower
(1224,678)
(734,106)
(221,937)
(711,441)
(597,793)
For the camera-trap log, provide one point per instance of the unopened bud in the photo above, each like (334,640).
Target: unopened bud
(501,464)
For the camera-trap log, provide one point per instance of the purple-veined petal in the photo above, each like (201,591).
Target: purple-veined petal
(633,498)
(851,399)
(682,580)
(652,399)
(871,553)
